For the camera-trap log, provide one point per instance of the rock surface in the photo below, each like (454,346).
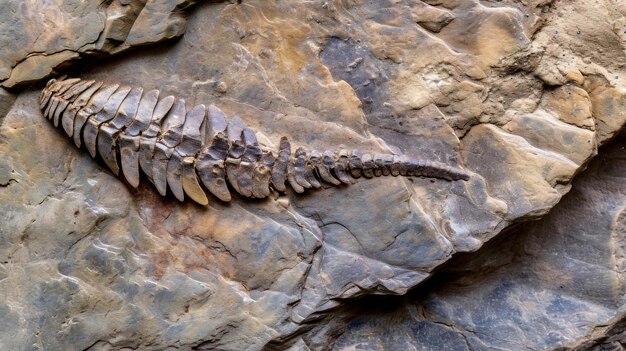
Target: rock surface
(553,284)
(39,37)
(521,94)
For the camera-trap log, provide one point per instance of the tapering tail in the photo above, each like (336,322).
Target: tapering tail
(185,149)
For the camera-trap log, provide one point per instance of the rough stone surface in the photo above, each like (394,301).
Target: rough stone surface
(39,37)
(553,284)
(6,101)
(521,94)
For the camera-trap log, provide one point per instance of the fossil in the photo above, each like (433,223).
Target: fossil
(190,150)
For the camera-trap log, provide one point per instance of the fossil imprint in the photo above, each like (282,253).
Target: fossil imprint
(182,149)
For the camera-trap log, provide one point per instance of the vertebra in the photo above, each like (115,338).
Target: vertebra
(182,149)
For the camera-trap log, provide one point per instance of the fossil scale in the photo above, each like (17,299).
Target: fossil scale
(190,150)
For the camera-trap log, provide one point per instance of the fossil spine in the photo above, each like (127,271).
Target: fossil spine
(182,149)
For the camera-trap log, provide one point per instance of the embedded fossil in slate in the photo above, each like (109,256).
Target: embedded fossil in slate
(179,148)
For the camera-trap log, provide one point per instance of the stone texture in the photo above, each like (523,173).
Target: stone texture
(6,101)
(553,284)
(40,37)
(520,94)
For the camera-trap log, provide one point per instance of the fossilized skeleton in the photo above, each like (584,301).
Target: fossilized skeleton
(181,148)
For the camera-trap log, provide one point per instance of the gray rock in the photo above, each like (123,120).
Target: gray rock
(553,284)
(39,38)
(87,261)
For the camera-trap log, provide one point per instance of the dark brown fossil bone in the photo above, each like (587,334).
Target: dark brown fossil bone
(185,149)
(109,131)
(279,170)
(67,120)
(95,104)
(93,123)
(148,138)
(166,141)
(129,141)
(210,160)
